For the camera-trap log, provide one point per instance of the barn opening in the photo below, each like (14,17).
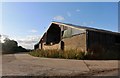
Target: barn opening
(53,35)
(117,40)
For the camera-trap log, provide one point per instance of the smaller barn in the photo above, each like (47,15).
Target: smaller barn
(68,36)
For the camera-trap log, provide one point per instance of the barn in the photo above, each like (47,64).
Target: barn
(66,36)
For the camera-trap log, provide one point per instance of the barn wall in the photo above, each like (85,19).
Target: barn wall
(104,44)
(71,39)
(99,38)
(40,46)
(55,46)
(75,42)
(36,46)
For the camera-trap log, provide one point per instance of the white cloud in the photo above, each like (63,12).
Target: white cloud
(28,41)
(33,31)
(59,18)
(77,10)
(69,14)
(2,37)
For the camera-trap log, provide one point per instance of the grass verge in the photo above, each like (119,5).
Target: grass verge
(68,54)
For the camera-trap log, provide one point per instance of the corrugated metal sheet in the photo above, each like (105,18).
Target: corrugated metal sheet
(86,28)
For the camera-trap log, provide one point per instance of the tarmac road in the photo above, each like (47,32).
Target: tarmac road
(23,64)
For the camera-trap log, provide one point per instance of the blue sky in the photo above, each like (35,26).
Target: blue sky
(27,21)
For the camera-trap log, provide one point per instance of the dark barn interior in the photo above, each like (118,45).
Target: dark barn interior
(53,34)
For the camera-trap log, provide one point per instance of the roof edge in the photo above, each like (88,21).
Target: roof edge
(86,28)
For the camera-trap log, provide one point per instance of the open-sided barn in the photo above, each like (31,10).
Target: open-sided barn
(68,36)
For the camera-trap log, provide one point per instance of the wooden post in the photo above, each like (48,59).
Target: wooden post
(42,44)
(62,45)
(61,42)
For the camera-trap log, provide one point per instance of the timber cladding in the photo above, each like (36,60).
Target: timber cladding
(100,38)
(103,45)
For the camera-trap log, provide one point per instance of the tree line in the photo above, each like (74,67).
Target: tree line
(11,46)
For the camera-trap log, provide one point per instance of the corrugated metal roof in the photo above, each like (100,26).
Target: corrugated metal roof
(88,28)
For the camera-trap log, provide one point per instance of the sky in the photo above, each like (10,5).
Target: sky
(26,22)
